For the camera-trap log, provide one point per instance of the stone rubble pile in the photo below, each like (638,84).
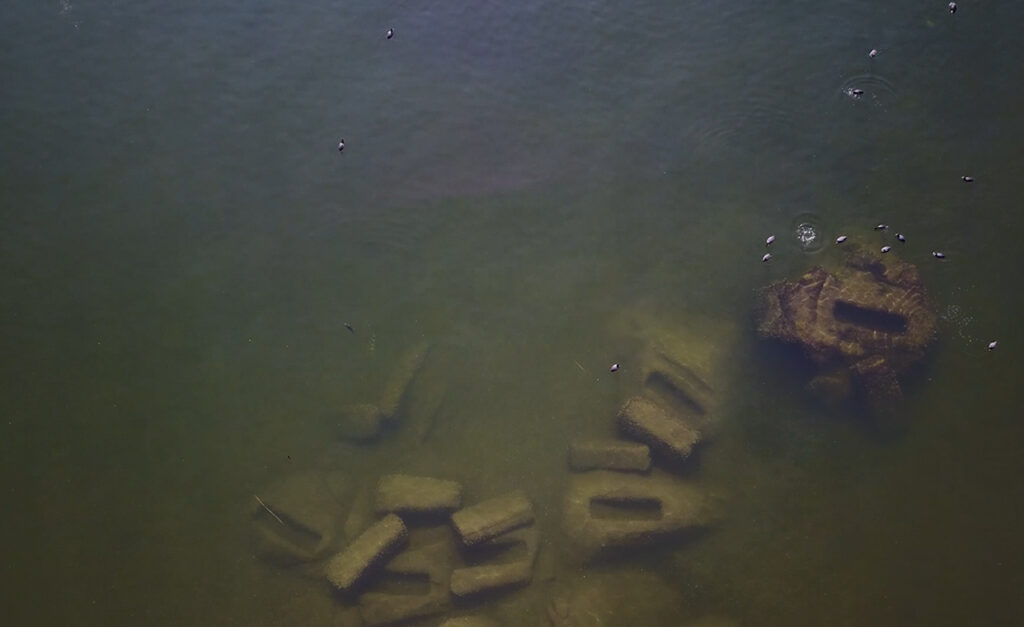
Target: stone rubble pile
(615,501)
(416,549)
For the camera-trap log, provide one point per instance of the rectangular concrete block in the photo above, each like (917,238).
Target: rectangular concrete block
(654,424)
(493,517)
(373,547)
(609,455)
(481,578)
(434,564)
(401,379)
(614,510)
(417,495)
(478,579)
(676,384)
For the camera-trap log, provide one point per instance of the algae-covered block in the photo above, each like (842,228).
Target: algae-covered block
(372,547)
(652,423)
(493,517)
(417,495)
(479,579)
(609,455)
(361,422)
(296,519)
(401,379)
(432,564)
(474,580)
(610,510)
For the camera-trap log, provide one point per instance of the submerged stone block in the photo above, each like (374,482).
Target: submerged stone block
(297,519)
(417,495)
(676,385)
(609,510)
(371,548)
(360,422)
(658,426)
(493,517)
(609,455)
(431,566)
(474,580)
(401,378)
(881,389)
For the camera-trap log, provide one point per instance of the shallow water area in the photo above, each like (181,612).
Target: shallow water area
(195,282)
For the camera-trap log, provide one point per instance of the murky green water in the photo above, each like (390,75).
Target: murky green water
(182,246)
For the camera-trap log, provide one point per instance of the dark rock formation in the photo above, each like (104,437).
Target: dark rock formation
(872,316)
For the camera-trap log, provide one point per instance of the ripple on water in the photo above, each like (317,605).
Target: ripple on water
(808,233)
(868,88)
(753,120)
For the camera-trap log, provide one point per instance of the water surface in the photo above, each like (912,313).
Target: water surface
(182,246)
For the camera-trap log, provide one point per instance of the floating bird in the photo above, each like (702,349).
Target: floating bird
(952,7)
(901,238)
(873,53)
(992,345)
(770,240)
(886,249)
(767,257)
(341,145)
(857,93)
(840,239)
(389,34)
(938,255)
(349,327)
(967,179)
(614,368)
(881,227)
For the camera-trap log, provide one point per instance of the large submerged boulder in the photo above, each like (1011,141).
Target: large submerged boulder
(870,319)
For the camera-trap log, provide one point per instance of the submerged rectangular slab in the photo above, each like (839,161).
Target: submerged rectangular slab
(609,455)
(433,564)
(479,579)
(653,423)
(614,510)
(372,547)
(493,517)
(418,495)
(401,379)
(474,580)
